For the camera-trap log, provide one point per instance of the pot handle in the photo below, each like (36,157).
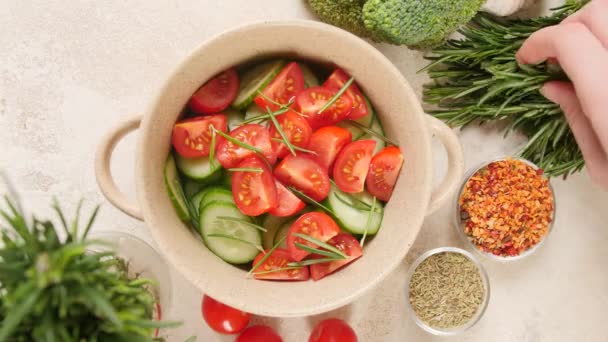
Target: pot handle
(455,170)
(102,168)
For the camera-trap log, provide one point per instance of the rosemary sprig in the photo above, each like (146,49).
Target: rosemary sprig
(337,95)
(234,238)
(309,199)
(320,243)
(296,147)
(317,251)
(266,256)
(238,142)
(279,129)
(281,269)
(355,203)
(286,106)
(265,116)
(313,262)
(212,148)
(371,132)
(245,169)
(245,222)
(369,221)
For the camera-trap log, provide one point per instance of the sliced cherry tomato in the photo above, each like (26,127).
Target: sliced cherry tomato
(285,86)
(223,318)
(327,142)
(217,94)
(259,333)
(312,100)
(383,172)
(352,165)
(305,174)
(336,81)
(289,204)
(254,192)
(230,154)
(278,260)
(315,224)
(297,130)
(192,137)
(333,330)
(347,244)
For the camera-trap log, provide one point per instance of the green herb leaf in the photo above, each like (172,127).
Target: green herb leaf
(296,147)
(245,169)
(281,269)
(279,129)
(309,199)
(238,142)
(321,244)
(369,221)
(265,117)
(318,251)
(337,95)
(314,261)
(265,257)
(371,132)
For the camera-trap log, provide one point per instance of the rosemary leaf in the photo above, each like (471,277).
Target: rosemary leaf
(320,243)
(313,262)
(309,199)
(317,251)
(279,129)
(238,142)
(246,169)
(281,269)
(295,147)
(337,95)
(369,221)
(371,132)
(265,257)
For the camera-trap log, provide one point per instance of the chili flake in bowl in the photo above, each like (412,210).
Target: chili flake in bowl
(506,208)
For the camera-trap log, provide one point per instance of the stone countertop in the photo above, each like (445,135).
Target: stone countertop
(71,70)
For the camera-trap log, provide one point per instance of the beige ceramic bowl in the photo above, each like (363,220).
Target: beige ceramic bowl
(403,119)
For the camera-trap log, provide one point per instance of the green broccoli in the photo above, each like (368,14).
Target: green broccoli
(347,14)
(419,23)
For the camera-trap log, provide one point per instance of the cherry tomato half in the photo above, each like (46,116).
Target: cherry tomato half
(336,81)
(352,164)
(312,100)
(217,94)
(230,154)
(296,130)
(279,259)
(315,224)
(192,137)
(383,172)
(259,333)
(327,142)
(285,86)
(254,192)
(223,318)
(333,330)
(289,204)
(345,243)
(304,174)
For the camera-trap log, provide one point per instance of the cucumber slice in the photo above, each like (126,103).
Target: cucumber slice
(191,188)
(254,111)
(255,79)
(230,250)
(366,121)
(235,118)
(174,188)
(351,213)
(376,127)
(199,169)
(216,194)
(310,79)
(282,232)
(196,200)
(272,225)
(226,180)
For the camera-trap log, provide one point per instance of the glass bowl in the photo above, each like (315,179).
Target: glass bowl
(471,244)
(480,311)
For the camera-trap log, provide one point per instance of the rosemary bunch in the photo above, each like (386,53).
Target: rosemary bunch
(57,289)
(478,78)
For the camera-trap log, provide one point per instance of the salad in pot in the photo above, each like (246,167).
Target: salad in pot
(278,171)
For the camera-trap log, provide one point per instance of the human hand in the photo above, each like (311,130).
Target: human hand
(580,45)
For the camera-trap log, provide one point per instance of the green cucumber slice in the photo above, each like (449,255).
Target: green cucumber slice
(199,169)
(376,127)
(216,194)
(366,121)
(310,79)
(255,111)
(191,188)
(282,232)
(230,250)
(272,225)
(255,79)
(174,189)
(235,118)
(351,214)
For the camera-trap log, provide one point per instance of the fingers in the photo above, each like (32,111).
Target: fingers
(596,158)
(594,17)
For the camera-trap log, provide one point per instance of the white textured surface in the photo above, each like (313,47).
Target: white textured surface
(71,70)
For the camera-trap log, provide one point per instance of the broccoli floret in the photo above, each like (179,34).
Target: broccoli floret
(346,14)
(419,23)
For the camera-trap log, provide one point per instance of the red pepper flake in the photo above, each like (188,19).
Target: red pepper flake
(506,207)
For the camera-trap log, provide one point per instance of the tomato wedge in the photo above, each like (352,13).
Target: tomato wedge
(285,86)
(345,243)
(223,318)
(230,154)
(217,94)
(276,261)
(383,172)
(352,165)
(336,81)
(289,204)
(192,137)
(312,100)
(296,130)
(305,174)
(315,224)
(254,192)
(327,142)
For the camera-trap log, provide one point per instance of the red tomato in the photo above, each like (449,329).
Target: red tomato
(347,244)
(296,129)
(327,143)
(230,154)
(333,330)
(305,174)
(383,172)
(315,224)
(312,100)
(254,192)
(285,86)
(289,204)
(259,333)
(352,164)
(223,318)
(217,94)
(336,81)
(192,137)
(277,260)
